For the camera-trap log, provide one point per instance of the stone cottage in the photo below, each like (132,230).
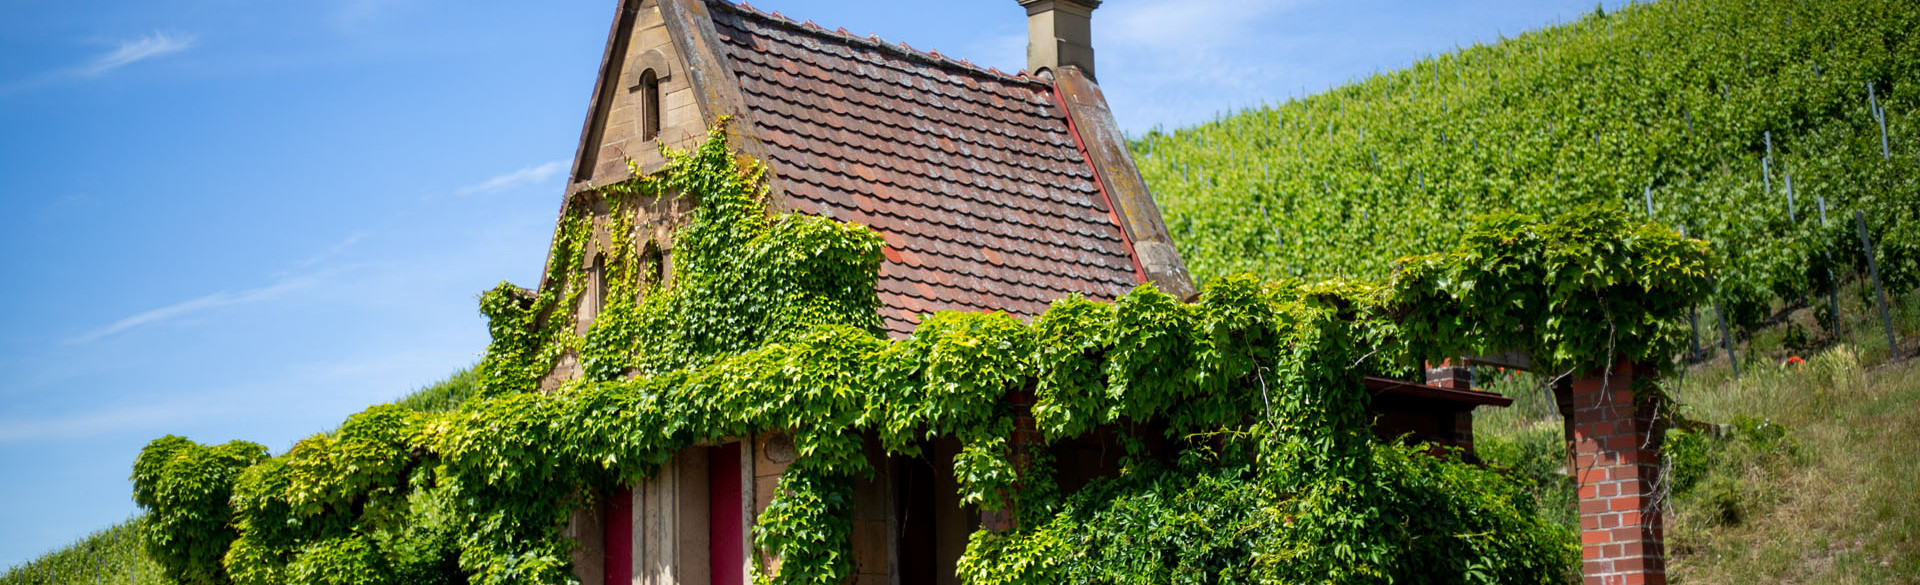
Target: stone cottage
(994,191)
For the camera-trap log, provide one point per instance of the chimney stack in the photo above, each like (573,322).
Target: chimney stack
(1059,34)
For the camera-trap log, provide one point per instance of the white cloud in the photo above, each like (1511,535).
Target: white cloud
(158,44)
(95,423)
(1183,24)
(334,251)
(1172,61)
(189,307)
(533,175)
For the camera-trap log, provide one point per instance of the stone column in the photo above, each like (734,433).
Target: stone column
(1616,458)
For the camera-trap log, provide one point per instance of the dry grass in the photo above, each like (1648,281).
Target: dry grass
(1840,508)
(1837,502)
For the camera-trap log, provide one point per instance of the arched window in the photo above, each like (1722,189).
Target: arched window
(595,297)
(649,105)
(654,68)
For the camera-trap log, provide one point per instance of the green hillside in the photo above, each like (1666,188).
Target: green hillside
(107,557)
(1677,102)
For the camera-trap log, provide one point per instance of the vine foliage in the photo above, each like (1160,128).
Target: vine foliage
(770,325)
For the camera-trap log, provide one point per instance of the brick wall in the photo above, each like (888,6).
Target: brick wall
(1450,373)
(1616,460)
(1455,374)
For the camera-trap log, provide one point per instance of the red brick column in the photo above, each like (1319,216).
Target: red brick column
(1026,436)
(1616,460)
(1457,374)
(1450,373)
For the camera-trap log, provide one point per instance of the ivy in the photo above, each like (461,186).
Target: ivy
(770,325)
(1580,292)
(185,487)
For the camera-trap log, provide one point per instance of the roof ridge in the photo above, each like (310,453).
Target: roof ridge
(874,41)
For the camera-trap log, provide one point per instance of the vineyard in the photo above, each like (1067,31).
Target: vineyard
(1760,126)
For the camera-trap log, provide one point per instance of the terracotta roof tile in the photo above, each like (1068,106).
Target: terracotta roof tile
(972,175)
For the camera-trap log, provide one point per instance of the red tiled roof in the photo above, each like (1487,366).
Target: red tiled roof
(973,176)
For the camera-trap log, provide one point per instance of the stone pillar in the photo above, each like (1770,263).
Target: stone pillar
(1616,459)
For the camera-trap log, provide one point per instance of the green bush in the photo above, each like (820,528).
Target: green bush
(185,488)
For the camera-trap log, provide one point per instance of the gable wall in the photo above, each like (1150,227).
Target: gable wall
(620,137)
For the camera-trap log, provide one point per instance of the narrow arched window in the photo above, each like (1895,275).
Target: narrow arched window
(649,105)
(594,295)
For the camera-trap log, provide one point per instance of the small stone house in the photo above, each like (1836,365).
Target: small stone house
(994,191)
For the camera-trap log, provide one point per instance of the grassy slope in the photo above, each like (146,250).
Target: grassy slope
(112,556)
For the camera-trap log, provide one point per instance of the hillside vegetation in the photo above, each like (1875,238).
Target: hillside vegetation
(1708,109)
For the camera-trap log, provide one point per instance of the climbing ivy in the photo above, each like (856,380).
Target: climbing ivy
(185,488)
(1581,291)
(771,325)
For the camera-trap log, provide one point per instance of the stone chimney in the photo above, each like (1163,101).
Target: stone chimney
(1060,34)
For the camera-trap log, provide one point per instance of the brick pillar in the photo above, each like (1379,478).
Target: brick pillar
(1616,440)
(1451,373)
(1454,373)
(1026,435)
(1463,434)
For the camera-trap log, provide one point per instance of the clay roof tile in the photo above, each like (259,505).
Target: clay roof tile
(970,173)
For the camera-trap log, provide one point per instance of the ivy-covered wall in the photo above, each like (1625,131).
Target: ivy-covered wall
(770,325)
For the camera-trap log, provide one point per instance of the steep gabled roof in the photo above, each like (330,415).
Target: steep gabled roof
(974,177)
(994,191)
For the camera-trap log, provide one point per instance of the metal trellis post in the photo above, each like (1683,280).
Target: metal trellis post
(1879,291)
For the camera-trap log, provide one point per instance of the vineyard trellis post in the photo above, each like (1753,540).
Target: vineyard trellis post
(1693,316)
(1879,290)
(1879,115)
(1833,284)
(1791,216)
(1726,338)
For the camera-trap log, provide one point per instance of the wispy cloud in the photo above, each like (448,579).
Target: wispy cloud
(533,175)
(153,46)
(1182,58)
(158,44)
(95,423)
(205,303)
(1188,23)
(333,251)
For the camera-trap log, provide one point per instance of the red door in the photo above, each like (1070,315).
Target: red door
(725,527)
(617,536)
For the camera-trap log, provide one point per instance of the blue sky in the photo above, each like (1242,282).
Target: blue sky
(248,219)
